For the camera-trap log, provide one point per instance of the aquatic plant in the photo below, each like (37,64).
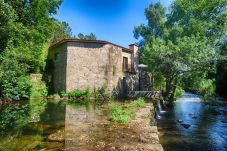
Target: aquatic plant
(124,112)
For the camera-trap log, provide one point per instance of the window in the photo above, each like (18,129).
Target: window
(125,64)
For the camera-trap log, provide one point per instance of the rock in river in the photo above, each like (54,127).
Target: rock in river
(57,137)
(185,125)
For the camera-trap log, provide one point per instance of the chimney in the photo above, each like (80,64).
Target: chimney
(135,56)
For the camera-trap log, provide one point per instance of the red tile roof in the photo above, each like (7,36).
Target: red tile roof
(87,41)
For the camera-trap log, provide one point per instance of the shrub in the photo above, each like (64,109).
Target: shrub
(39,89)
(78,94)
(179,92)
(102,94)
(207,88)
(87,93)
(14,84)
(18,89)
(75,94)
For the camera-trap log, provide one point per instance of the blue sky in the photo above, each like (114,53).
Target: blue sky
(110,20)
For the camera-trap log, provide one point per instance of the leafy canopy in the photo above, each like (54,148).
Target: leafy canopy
(184,40)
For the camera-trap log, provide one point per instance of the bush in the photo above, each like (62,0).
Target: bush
(207,88)
(179,92)
(87,93)
(102,94)
(14,84)
(39,89)
(78,94)
(75,94)
(18,89)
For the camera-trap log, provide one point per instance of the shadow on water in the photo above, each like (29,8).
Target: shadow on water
(193,125)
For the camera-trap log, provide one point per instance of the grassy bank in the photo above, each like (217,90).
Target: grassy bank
(124,112)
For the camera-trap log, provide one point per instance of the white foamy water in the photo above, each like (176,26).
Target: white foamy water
(189,97)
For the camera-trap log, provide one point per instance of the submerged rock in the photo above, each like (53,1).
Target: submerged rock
(185,125)
(59,136)
(224,121)
(180,121)
(194,117)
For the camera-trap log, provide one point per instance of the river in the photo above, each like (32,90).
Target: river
(39,124)
(192,125)
(44,125)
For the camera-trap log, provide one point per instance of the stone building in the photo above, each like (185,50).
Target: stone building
(82,64)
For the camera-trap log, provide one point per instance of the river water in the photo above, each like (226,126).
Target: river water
(193,125)
(39,124)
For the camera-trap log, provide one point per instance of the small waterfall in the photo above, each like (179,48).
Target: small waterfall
(159,110)
(159,105)
(157,116)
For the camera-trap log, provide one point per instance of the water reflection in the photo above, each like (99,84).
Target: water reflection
(193,125)
(47,125)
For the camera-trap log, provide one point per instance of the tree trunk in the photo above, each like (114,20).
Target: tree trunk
(172,95)
(171,98)
(170,90)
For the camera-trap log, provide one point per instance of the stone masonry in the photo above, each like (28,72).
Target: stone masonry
(82,64)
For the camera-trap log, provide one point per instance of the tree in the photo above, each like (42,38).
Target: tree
(172,46)
(62,30)
(91,36)
(26,27)
(81,36)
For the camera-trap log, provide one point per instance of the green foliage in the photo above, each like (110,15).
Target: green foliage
(200,83)
(207,88)
(26,27)
(19,89)
(124,112)
(62,31)
(179,92)
(39,89)
(91,36)
(118,115)
(75,94)
(87,93)
(79,94)
(102,94)
(184,40)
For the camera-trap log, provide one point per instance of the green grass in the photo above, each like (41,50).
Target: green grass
(79,94)
(124,112)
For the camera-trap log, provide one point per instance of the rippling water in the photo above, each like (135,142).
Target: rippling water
(193,126)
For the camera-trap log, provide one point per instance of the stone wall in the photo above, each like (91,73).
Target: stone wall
(58,57)
(132,82)
(91,65)
(81,65)
(146,81)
